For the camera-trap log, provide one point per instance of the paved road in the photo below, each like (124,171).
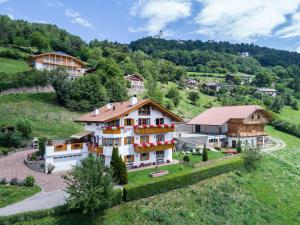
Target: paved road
(39,201)
(13,166)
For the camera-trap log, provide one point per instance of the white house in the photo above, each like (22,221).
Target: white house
(142,130)
(267,91)
(136,81)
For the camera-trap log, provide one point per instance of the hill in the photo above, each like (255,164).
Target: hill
(11,66)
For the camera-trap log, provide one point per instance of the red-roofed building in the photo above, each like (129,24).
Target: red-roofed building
(136,81)
(142,130)
(226,125)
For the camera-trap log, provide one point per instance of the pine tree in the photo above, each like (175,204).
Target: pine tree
(204,154)
(115,163)
(123,176)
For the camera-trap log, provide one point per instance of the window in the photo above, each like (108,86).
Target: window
(129,158)
(114,123)
(111,141)
(144,139)
(160,137)
(144,111)
(144,156)
(258,116)
(128,122)
(88,123)
(128,140)
(160,121)
(197,129)
(144,121)
(253,117)
(160,154)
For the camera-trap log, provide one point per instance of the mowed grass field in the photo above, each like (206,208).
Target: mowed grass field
(290,114)
(12,66)
(269,195)
(46,116)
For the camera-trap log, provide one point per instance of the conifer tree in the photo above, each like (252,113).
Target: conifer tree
(204,154)
(123,176)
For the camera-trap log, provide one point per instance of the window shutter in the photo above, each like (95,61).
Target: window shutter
(125,159)
(132,140)
(132,122)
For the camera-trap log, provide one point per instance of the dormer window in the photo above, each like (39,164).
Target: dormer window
(144,111)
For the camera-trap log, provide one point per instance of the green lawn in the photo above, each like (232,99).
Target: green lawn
(12,66)
(12,194)
(142,176)
(198,158)
(270,195)
(45,115)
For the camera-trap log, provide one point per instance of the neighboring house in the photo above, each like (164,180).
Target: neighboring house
(224,126)
(192,83)
(245,78)
(244,54)
(212,86)
(51,60)
(267,91)
(142,130)
(136,81)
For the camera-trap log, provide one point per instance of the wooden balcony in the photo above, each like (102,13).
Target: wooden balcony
(153,148)
(112,131)
(60,147)
(96,149)
(247,134)
(76,146)
(153,130)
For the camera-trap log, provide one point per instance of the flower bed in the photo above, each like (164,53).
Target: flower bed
(159,173)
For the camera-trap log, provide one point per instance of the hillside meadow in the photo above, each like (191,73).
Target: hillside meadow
(46,116)
(268,195)
(11,66)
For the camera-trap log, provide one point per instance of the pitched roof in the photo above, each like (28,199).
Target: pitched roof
(59,53)
(220,115)
(134,77)
(120,109)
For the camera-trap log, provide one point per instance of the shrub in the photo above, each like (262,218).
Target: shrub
(14,181)
(50,168)
(186,158)
(286,127)
(239,146)
(42,145)
(138,191)
(251,157)
(123,176)
(5,151)
(3,181)
(29,181)
(10,140)
(24,127)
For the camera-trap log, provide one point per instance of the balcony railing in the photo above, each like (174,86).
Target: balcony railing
(247,134)
(154,129)
(95,149)
(112,130)
(151,147)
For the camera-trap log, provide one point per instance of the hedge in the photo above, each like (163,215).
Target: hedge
(134,192)
(57,211)
(286,126)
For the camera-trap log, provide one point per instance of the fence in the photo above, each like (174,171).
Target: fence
(210,162)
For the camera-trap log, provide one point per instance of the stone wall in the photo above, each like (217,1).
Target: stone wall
(38,166)
(35,89)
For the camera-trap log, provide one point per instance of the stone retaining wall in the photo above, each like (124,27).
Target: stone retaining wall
(38,166)
(35,89)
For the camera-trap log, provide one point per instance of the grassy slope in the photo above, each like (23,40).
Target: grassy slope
(46,116)
(269,195)
(12,66)
(290,114)
(12,194)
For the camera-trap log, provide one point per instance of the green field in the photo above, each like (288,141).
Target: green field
(12,66)
(269,195)
(290,114)
(45,115)
(12,194)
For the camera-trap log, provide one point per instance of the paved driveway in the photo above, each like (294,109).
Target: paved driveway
(13,166)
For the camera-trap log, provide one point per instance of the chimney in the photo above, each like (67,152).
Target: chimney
(96,112)
(134,100)
(109,106)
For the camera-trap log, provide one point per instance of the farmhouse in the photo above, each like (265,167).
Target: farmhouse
(244,78)
(267,91)
(136,81)
(212,86)
(52,60)
(192,83)
(224,126)
(142,130)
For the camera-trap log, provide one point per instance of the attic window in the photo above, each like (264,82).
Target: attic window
(144,111)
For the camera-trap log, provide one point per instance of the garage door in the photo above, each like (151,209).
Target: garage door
(66,162)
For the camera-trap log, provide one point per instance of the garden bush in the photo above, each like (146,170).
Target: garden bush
(29,181)
(14,181)
(285,126)
(186,158)
(138,191)
(3,180)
